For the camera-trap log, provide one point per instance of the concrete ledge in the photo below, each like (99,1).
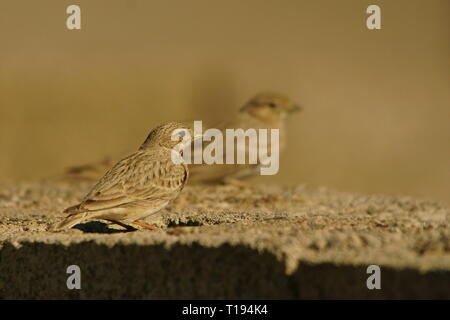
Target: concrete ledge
(266,242)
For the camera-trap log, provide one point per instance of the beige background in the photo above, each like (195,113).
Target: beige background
(376,102)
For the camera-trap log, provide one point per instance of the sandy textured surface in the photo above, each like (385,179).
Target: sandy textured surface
(228,242)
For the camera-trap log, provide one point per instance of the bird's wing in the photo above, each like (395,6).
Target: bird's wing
(141,176)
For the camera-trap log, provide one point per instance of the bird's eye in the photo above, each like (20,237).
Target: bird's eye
(272,105)
(182,133)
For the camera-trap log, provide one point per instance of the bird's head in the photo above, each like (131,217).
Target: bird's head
(170,134)
(270,105)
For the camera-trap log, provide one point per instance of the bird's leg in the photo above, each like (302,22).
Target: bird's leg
(129,228)
(145,225)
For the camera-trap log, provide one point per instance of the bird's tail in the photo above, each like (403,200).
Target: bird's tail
(74,217)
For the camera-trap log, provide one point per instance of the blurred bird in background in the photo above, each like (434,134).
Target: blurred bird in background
(266,110)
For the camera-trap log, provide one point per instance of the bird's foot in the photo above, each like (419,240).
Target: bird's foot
(145,225)
(123,225)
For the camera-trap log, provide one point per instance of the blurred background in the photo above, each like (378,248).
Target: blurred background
(376,103)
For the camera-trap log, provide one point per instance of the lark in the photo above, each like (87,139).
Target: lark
(139,185)
(266,110)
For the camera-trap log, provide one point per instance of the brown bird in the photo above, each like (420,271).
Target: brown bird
(140,184)
(265,110)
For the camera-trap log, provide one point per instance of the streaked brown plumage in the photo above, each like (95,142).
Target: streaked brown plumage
(267,110)
(138,185)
